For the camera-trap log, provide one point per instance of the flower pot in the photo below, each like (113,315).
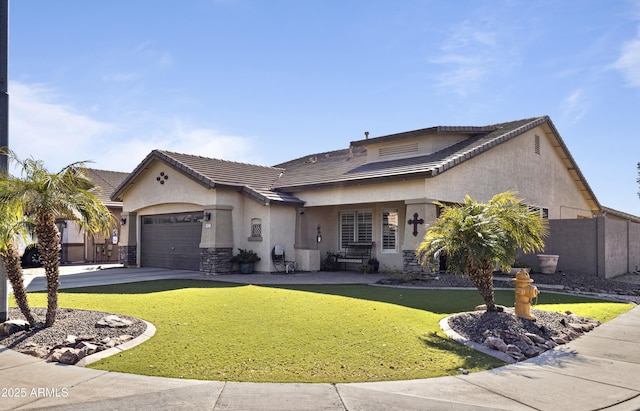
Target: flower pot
(547,263)
(375,265)
(246,268)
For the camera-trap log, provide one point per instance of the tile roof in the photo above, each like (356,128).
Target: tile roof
(350,166)
(106,182)
(275,185)
(252,180)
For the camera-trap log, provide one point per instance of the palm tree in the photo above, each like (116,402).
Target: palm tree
(13,224)
(475,237)
(46,196)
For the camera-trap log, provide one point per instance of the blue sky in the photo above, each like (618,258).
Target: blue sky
(265,81)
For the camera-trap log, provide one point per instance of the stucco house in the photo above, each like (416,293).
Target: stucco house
(191,212)
(76,245)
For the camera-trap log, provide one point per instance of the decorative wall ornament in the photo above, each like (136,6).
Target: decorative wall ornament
(415,223)
(162,177)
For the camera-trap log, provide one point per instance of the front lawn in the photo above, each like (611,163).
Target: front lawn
(333,333)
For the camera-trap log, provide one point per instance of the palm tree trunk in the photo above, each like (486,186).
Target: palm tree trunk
(48,247)
(11,261)
(483,280)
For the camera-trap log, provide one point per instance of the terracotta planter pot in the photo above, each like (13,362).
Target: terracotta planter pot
(547,263)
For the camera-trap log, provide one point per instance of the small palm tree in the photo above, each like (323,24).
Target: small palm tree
(46,196)
(475,237)
(13,224)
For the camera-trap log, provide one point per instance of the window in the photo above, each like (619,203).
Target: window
(256,229)
(355,226)
(544,212)
(536,144)
(390,231)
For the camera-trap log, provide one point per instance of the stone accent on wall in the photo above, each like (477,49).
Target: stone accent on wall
(127,255)
(216,260)
(411,266)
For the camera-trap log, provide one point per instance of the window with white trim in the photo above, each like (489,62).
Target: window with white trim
(390,220)
(544,212)
(355,226)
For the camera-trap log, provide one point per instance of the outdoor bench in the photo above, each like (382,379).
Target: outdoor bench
(355,253)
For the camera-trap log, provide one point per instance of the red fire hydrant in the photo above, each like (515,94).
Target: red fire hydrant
(525,292)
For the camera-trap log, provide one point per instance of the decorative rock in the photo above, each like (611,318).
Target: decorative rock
(75,348)
(550,344)
(113,321)
(526,340)
(87,347)
(513,349)
(13,326)
(496,344)
(534,352)
(86,337)
(65,355)
(535,338)
(35,350)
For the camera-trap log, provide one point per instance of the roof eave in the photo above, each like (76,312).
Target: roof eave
(158,155)
(357,181)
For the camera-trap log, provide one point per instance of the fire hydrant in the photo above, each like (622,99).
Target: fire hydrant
(525,292)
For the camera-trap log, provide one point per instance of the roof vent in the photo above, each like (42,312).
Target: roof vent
(399,150)
(366,135)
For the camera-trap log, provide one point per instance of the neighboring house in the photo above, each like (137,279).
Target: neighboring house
(80,247)
(191,212)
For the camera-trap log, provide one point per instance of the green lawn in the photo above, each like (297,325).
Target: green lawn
(346,333)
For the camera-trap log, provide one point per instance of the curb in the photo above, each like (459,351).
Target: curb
(148,333)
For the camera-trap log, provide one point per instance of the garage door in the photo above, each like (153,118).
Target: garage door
(172,240)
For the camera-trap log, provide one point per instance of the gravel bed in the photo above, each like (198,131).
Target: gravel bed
(628,284)
(472,325)
(68,322)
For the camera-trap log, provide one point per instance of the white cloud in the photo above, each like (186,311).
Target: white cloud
(629,61)
(468,56)
(59,134)
(53,132)
(126,155)
(575,106)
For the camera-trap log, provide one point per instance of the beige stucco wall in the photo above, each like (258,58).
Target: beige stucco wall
(278,227)
(363,194)
(148,196)
(540,179)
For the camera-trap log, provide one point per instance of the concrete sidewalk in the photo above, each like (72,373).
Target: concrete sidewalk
(597,371)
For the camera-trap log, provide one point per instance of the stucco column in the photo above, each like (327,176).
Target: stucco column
(216,242)
(420,214)
(302,234)
(217,229)
(128,239)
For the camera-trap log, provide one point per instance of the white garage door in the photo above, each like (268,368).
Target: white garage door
(172,240)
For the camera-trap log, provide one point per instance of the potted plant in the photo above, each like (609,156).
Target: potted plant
(245,259)
(374,264)
(518,265)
